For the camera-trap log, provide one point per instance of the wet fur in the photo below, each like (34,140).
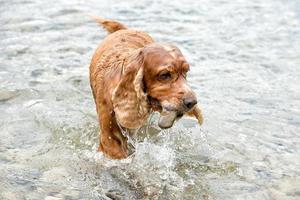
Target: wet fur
(117,82)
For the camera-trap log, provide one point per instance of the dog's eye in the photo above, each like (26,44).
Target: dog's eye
(184,75)
(165,76)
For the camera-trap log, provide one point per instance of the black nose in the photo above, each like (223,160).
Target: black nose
(189,102)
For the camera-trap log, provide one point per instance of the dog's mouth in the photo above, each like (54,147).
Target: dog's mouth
(154,104)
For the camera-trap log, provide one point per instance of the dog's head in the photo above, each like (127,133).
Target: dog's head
(155,78)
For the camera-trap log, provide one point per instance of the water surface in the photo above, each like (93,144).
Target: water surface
(244,57)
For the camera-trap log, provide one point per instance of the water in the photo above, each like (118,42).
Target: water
(245,58)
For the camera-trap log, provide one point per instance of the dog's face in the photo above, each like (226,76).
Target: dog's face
(155,77)
(165,71)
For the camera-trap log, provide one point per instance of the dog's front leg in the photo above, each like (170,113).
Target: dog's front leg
(112,142)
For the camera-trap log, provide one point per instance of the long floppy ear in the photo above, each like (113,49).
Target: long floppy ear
(129,100)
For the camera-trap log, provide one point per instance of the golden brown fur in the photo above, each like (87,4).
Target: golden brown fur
(130,76)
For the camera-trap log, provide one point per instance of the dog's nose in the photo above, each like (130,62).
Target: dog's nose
(189,102)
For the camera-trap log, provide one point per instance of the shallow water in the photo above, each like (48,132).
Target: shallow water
(245,58)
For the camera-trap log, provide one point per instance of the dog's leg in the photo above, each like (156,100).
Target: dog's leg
(112,142)
(196,112)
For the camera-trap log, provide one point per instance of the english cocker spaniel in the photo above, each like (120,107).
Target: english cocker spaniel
(131,76)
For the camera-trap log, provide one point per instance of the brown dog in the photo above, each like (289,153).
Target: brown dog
(132,76)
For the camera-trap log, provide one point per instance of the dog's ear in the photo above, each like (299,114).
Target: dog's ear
(129,99)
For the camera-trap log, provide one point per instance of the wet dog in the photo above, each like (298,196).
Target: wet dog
(131,76)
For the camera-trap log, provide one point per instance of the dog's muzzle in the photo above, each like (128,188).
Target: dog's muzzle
(169,112)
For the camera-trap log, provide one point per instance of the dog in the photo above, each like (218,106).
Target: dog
(131,76)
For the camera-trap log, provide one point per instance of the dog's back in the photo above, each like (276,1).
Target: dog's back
(118,43)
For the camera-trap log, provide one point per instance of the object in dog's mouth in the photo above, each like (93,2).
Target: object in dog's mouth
(167,118)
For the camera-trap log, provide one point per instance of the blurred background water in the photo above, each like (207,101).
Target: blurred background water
(244,57)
